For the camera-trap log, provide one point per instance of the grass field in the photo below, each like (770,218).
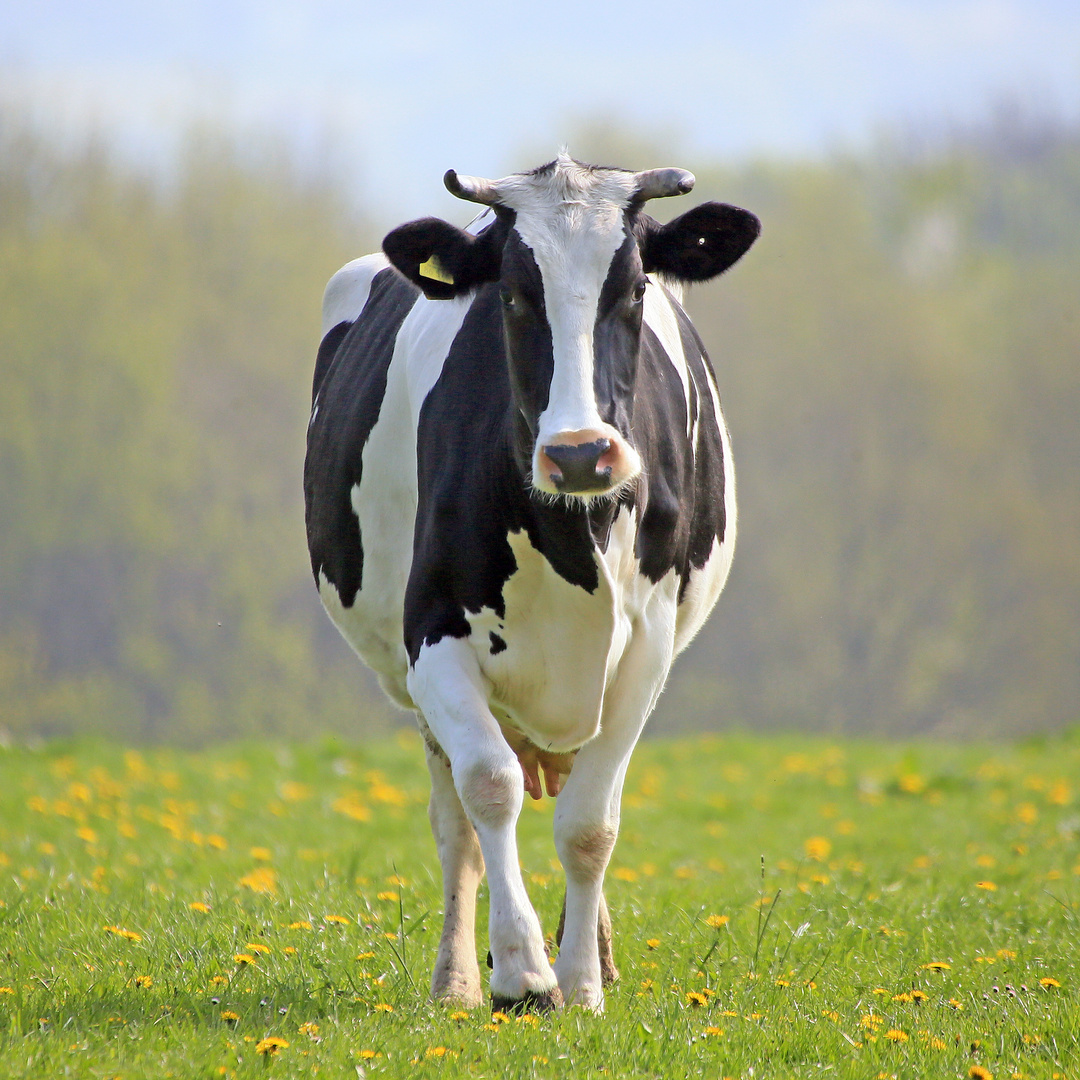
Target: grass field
(783,907)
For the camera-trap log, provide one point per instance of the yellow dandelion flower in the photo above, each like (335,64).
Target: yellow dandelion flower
(145,981)
(528,1019)
(871,1021)
(218,842)
(128,935)
(1049,983)
(937,965)
(1006,954)
(200,907)
(367,1055)
(243,958)
(364,955)
(989,886)
(387,894)
(338,920)
(289,950)
(271,1045)
(955,1004)
(716,921)
(818,847)
(977,1072)
(263,854)
(262,879)
(382,1006)
(831,1014)
(229,1016)
(6,990)
(300,924)
(435,1051)
(693,997)
(310,1029)
(918,995)
(624,873)
(218,980)
(902,997)
(459,1015)
(653,943)
(715,1032)
(896,1035)
(255,947)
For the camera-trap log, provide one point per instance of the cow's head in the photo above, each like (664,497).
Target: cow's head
(572,253)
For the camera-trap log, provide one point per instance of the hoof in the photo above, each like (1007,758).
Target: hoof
(530,1003)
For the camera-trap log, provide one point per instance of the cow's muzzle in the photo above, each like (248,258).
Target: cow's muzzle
(581,467)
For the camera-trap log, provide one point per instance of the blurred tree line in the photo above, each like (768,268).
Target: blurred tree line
(899,358)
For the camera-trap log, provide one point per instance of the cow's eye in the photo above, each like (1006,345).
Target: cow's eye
(639,291)
(507,297)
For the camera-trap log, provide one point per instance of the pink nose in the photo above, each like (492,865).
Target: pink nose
(577,464)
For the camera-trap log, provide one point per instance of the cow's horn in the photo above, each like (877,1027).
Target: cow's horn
(660,183)
(471,188)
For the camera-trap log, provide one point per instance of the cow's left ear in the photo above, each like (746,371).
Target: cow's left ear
(699,244)
(443,260)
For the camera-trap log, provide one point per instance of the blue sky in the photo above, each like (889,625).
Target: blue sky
(407,90)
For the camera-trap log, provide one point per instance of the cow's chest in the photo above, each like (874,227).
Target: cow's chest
(552,655)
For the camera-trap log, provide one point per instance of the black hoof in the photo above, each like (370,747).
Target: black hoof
(530,1003)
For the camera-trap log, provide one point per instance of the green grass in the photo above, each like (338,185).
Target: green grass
(783,907)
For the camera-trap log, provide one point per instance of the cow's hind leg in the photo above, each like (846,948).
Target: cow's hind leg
(445,681)
(456,979)
(609,973)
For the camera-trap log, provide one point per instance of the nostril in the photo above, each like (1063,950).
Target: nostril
(583,453)
(578,465)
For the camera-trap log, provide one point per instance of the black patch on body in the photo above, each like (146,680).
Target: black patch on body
(681,497)
(350,383)
(497,644)
(472,491)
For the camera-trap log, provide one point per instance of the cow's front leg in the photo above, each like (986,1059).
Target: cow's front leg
(456,979)
(587,811)
(447,684)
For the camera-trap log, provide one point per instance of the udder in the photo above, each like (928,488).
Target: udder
(555,767)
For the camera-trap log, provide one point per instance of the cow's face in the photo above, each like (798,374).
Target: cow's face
(571,253)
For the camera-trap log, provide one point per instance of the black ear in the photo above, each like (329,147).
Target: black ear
(699,244)
(443,260)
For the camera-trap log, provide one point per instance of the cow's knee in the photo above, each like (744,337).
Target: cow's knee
(491,789)
(585,848)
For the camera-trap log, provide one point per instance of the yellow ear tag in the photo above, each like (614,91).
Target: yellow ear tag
(431,269)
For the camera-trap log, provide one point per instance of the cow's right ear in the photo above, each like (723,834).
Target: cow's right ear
(443,260)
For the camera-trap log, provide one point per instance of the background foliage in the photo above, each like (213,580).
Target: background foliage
(898,358)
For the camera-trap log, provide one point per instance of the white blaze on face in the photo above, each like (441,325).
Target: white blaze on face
(571,218)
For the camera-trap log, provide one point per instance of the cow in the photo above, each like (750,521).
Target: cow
(520,508)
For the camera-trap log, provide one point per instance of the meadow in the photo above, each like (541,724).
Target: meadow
(783,907)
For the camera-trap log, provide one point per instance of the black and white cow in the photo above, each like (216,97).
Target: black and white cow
(520,508)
